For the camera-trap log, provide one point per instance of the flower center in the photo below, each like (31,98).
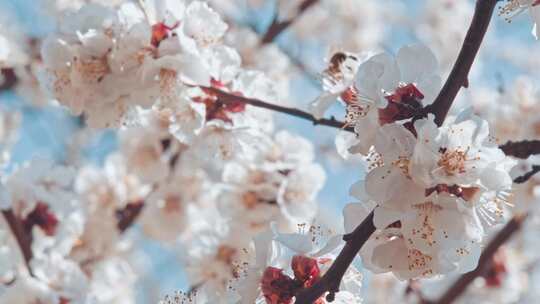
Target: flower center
(225,254)
(92,70)
(277,287)
(305,270)
(173,204)
(217,108)
(250,199)
(42,217)
(418,260)
(403,164)
(404,103)
(160,32)
(452,161)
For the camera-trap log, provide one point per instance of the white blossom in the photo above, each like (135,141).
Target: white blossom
(516,7)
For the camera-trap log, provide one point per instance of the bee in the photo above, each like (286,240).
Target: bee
(336,60)
(340,63)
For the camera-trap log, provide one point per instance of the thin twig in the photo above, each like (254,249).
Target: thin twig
(23,239)
(277,27)
(521,149)
(483,263)
(459,75)
(525,177)
(9,79)
(332,278)
(126,217)
(227,97)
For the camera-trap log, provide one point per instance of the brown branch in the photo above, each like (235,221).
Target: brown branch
(127,216)
(23,239)
(228,98)
(521,149)
(332,278)
(354,241)
(483,263)
(413,288)
(459,74)
(525,177)
(277,27)
(9,79)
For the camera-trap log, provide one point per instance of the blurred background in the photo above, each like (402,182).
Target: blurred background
(509,52)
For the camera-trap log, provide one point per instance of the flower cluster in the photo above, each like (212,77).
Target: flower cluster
(436,190)
(106,64)
(200,167)
(380,90)
(193,168)
(62,240)
(519,103)
(285,263)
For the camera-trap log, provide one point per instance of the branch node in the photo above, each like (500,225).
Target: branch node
(331,296)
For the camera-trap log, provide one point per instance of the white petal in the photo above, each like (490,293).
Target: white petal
(331,244)
(319,106)
(299,243)
(262,247)
(383,217)
(358,190)
(353,215)
(416,62)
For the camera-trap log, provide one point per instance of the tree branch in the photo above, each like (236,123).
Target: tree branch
(459,75)
(127,216)
(277,27)
(332,278)
(228,98)
(8,79)
(483,263)
(525,177)
(521,149)
(354,241)
(23,239)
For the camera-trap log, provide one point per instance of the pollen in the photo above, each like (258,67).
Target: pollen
(403,164)
(418,260)
(92,70)
(453,162)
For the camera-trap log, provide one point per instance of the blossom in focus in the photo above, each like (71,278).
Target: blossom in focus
(436,192)
(386,89)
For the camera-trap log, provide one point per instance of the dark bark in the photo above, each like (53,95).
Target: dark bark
(460,72)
